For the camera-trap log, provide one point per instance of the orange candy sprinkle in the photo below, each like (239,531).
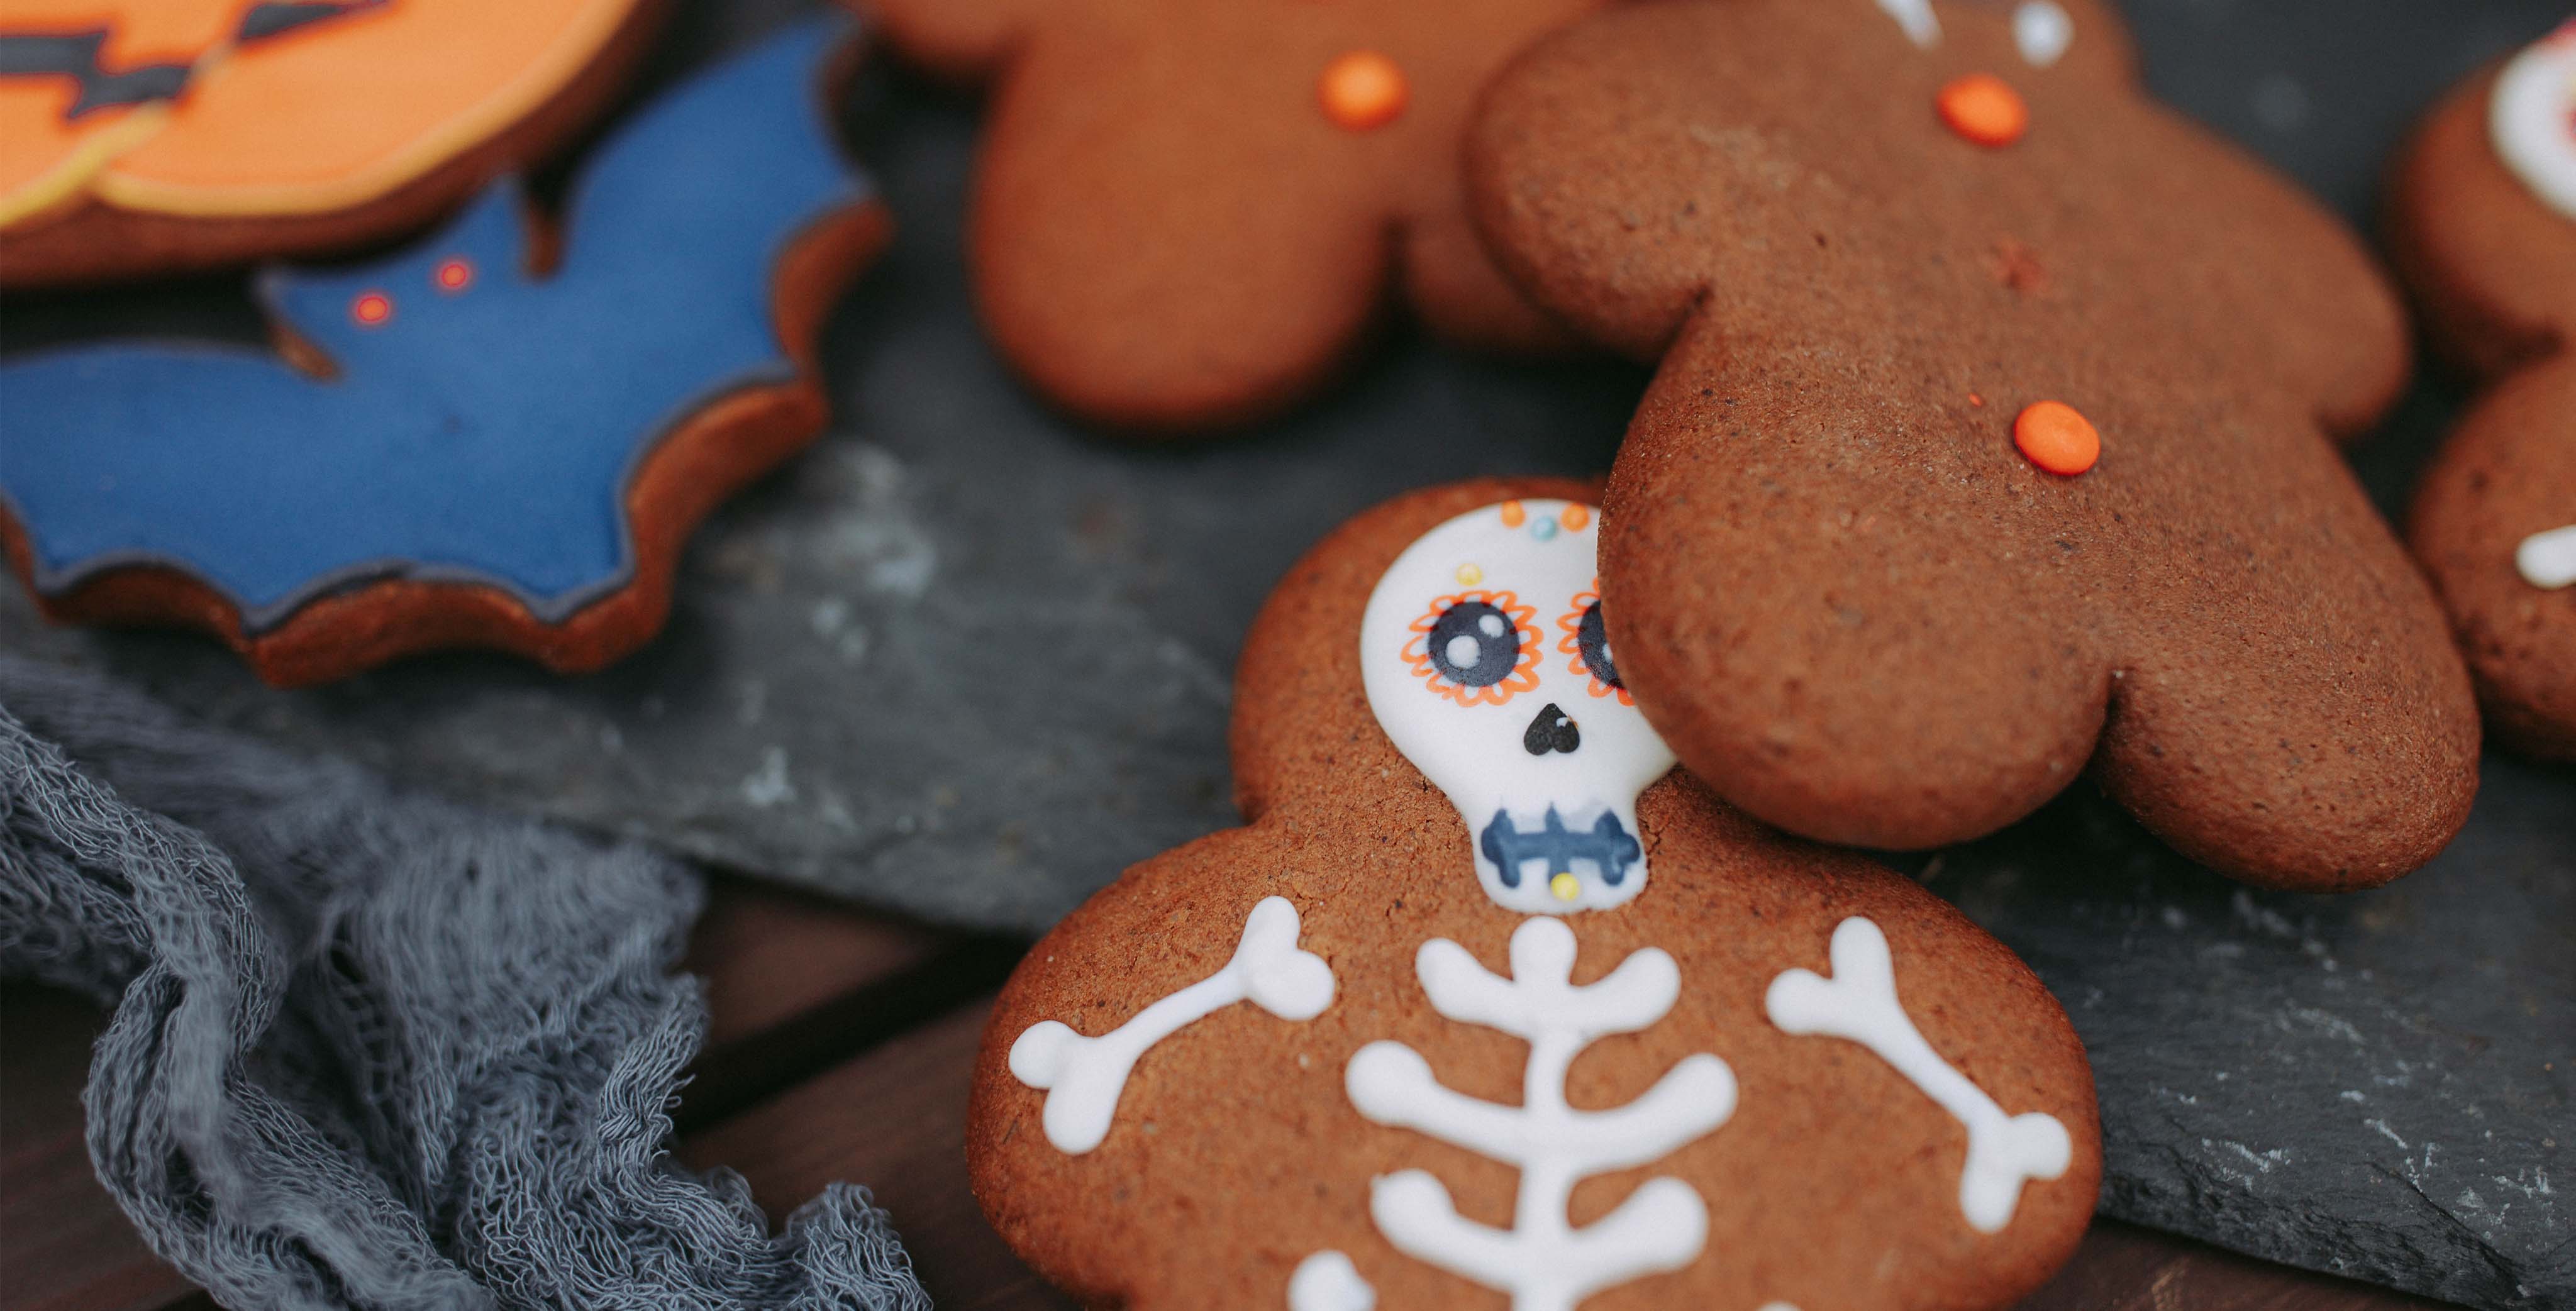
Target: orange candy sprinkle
(1362,90)
(2052,435)
(372,308)
(1984,109)
(1574,518)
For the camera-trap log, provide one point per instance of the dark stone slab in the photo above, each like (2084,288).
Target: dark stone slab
(2381,1085)
(967,662)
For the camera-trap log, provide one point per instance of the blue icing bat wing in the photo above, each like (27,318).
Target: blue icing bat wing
(483,424)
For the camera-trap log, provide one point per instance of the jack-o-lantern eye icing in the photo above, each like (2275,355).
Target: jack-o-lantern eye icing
(1589,643)
(1476,648)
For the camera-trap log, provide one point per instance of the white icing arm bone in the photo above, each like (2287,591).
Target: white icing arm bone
(1084,1077)
(1859,1003)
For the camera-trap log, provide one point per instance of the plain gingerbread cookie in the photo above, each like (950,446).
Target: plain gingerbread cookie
(1189,214)
(1991,440)
(2482,225)
(1486,1000)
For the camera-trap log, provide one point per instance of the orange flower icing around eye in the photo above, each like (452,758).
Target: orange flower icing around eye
(2054,436)
(1362,90)
(1590,646)
(1984,109)
(1458,647)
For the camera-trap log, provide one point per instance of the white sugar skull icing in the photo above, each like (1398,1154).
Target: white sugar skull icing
(1486,664)
(2533,119)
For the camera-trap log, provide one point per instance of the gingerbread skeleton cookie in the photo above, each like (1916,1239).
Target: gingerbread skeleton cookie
(1487,1005)
(1188,213)
(153,136)
(2482,221)
(1990,442)
(459,447)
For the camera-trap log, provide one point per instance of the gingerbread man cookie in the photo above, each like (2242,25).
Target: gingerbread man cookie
(1990,443)
(497,438)
(1487,1002)
(2482,223)
(1188,214)
(157,136)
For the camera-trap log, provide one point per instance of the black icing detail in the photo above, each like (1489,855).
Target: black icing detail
(1609,846)
(75,55)
(1592,641)
(282,16)
(1551,731)
(1498,644)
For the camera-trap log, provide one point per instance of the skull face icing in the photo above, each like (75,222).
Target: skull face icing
(1485,662)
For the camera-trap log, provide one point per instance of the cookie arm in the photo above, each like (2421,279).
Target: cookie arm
(958,40)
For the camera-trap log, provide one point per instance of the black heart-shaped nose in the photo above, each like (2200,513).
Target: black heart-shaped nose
(1551,731)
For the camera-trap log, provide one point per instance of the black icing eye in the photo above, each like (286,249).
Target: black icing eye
(1474,644)
(1593,644)
(1589,643)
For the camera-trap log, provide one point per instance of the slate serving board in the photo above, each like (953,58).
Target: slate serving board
(966,662)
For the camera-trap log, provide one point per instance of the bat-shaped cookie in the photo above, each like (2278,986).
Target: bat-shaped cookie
(475,450)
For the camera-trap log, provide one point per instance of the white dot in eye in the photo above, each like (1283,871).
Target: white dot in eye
(1492,625)
(1607,658)
(1464,651)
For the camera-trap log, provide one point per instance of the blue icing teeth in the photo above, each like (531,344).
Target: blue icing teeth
(478,423)
(1608,845)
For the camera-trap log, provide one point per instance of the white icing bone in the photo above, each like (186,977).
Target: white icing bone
(1542,1260)
(1859,1003)
(2548,560)
(1327,1281)
(1084,1076)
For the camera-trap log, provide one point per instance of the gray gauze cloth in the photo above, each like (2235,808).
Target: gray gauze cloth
(377,1050)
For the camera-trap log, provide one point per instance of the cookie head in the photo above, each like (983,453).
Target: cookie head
(2482,225)
(1488,664)
(1992,438)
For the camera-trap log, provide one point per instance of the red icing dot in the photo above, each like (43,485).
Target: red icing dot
(455,275)
(371,309)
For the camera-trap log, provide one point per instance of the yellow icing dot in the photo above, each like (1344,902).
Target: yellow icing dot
(1469,575)
(1566,887)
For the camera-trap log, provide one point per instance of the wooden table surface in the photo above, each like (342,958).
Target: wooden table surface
(839,1050)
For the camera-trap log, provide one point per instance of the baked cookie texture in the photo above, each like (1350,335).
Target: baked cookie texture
(151,137)
(1188,215)
(499,437)
(1869,243)
(1238,1169)
(2492,265)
